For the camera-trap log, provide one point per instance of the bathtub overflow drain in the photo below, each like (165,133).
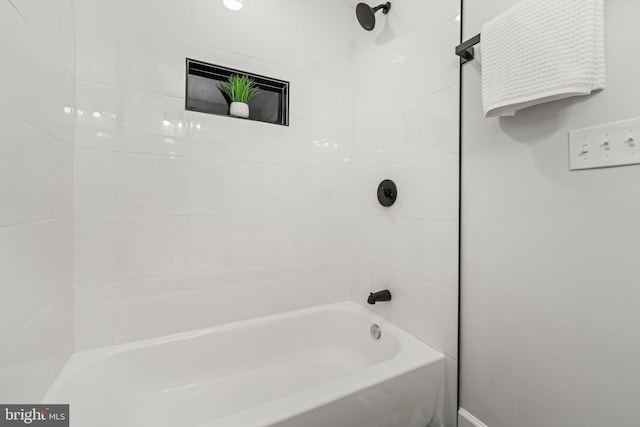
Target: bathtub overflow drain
(375,332)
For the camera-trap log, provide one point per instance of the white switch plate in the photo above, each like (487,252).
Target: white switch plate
(613,144)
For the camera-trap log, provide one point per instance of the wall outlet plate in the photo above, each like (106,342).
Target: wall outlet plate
(609,145)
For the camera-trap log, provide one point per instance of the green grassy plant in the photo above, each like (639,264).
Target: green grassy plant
(239,88)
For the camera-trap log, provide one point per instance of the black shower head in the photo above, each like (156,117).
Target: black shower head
(367,15)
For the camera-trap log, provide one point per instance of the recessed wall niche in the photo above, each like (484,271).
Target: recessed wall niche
(271,105)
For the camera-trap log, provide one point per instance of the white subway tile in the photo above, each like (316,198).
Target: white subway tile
(313,237)
(168,17)
(427,189)
(96,250)
(427,311)
(29,173)
(151,62)
(414,60)
(93,312)
(52,113)
(266,36)
(53,22)
(303,190)
(152,246)
(35,267)
(209,242)
(340,280)
(31,359)
(419,248)
(224,138)
(156,307)
(42,18)
(96,49)
(289,288)
(24,49)
(66,35)
(100,118)
(426,128)
(324,145)
(62,182)
(151,185)
(432,124)
(208,190)
(251,188)
(95,183)
(154,124)
(439,253)
(314,14)
(312,101)
(64,320)
(108,10)
(261,240)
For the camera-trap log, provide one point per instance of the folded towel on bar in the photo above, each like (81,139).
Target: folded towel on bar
(541,51)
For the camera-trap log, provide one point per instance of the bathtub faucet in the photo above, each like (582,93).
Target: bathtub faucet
(375,297)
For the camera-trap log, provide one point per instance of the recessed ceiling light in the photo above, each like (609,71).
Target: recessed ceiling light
(233,4)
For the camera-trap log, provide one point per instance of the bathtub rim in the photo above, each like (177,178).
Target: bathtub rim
(412,354)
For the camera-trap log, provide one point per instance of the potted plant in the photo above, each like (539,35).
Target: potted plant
(240,90)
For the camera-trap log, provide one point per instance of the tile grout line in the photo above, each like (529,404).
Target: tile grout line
(46,45)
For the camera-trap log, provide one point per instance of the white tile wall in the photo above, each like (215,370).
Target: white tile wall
(152,246)
(36,264)
(96,250)
(151,307)
(94,305)
(96,48)
(38,162)
(151,185)
(95,183)
(183,219)
(36,189)
(186,220)
(127,310)
(200,220)
(408,132)
(31,358)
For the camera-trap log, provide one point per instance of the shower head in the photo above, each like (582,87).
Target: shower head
(367,14)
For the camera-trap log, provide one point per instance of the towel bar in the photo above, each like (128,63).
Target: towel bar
(465,51)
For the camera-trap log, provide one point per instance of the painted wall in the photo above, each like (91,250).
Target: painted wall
(406,129)
(186,220)
(36,192)
(549,262)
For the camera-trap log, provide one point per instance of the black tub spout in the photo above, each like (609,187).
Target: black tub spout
(375,297)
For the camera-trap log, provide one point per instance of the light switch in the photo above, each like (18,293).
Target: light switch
(609,145)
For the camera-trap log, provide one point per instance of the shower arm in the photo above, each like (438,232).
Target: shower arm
(385,8)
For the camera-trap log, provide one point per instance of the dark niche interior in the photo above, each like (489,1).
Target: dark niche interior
(271,105)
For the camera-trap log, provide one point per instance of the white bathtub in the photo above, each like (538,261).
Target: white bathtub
(316,367)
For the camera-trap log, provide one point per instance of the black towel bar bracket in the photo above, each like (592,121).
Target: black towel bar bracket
(465,51)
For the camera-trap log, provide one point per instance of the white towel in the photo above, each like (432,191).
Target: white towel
(540,51)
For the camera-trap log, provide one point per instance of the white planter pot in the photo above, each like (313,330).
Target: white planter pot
(239,109)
